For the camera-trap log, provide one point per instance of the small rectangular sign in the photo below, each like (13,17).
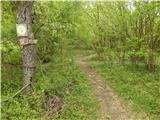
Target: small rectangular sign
(21,30)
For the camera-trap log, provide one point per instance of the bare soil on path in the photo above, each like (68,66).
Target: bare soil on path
(111,106)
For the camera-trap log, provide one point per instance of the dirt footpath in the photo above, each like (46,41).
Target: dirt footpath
(112,107)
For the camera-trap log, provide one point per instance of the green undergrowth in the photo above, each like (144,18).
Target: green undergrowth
(140,88)
(62,77)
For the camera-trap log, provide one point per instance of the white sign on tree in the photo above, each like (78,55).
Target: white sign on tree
(21,30)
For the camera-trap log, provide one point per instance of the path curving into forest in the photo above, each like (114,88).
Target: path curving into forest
(111,106)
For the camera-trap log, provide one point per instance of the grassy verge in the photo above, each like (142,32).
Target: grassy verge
(137,86)
(60,76)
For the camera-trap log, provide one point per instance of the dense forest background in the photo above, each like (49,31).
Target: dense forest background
(120,40)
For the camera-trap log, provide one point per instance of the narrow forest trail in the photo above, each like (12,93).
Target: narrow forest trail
(111,106)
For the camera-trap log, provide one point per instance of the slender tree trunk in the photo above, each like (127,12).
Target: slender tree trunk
(28,49)
(151,63)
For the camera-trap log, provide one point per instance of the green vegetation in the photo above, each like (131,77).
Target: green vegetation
(62,77)
(136,85)
(121,44)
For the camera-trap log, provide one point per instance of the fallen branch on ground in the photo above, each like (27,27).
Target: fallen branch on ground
(16,93)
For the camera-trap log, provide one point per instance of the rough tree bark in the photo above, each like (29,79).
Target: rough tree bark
(28,50)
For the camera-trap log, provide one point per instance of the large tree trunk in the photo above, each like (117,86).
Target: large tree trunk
(28,49)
